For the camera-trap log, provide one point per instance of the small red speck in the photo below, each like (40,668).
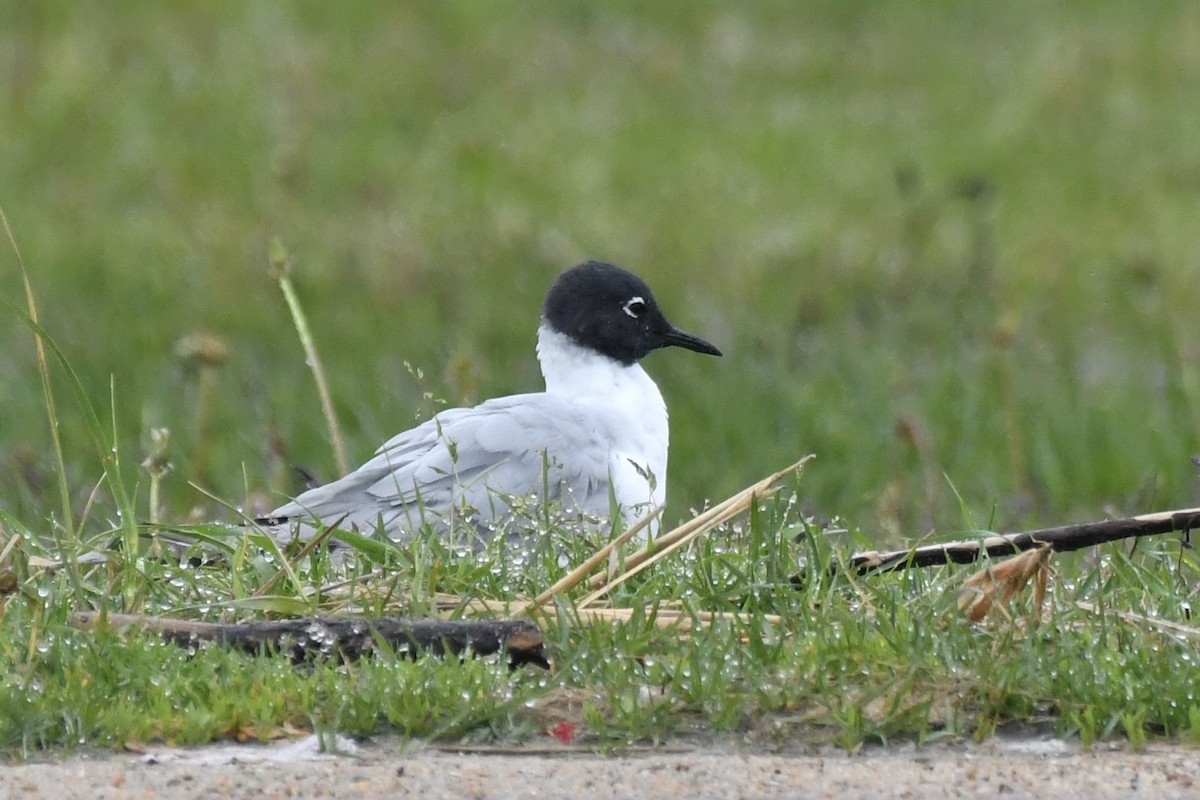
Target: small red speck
(564,732)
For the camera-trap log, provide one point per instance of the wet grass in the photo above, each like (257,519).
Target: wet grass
(799,654)
(950,251)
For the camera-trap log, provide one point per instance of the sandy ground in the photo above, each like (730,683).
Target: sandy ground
(1012,768)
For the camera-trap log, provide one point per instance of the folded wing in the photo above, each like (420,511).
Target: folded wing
(465,468)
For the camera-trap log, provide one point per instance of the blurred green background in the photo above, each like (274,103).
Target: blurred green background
(950,248)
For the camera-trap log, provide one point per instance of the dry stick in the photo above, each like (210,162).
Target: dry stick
(1060,539)
(281,270)
(345,637)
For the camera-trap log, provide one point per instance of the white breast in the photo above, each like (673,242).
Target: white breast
(626,404)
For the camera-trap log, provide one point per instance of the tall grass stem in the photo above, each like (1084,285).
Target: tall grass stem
(64,489)
(281,270)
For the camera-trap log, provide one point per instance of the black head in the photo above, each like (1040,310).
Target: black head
(612,311)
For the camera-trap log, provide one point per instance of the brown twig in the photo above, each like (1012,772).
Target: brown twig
(1060,539)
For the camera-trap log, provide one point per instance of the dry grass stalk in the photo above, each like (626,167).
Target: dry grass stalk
(1175,629)
(664,615)
(579,573)
(686,533)
(681,620)
(995,586)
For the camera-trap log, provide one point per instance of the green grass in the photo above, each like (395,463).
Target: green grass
(950,250)
(844,661)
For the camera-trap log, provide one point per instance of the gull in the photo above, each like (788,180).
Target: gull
(595,441)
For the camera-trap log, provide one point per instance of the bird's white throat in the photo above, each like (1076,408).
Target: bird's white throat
(626,402)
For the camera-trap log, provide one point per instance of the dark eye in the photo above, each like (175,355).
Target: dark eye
(634,307)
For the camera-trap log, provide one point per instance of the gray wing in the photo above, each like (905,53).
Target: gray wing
(467,465)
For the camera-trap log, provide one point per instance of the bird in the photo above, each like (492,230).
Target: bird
(595,441)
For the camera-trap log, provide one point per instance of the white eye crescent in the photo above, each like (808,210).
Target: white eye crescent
(634,307)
